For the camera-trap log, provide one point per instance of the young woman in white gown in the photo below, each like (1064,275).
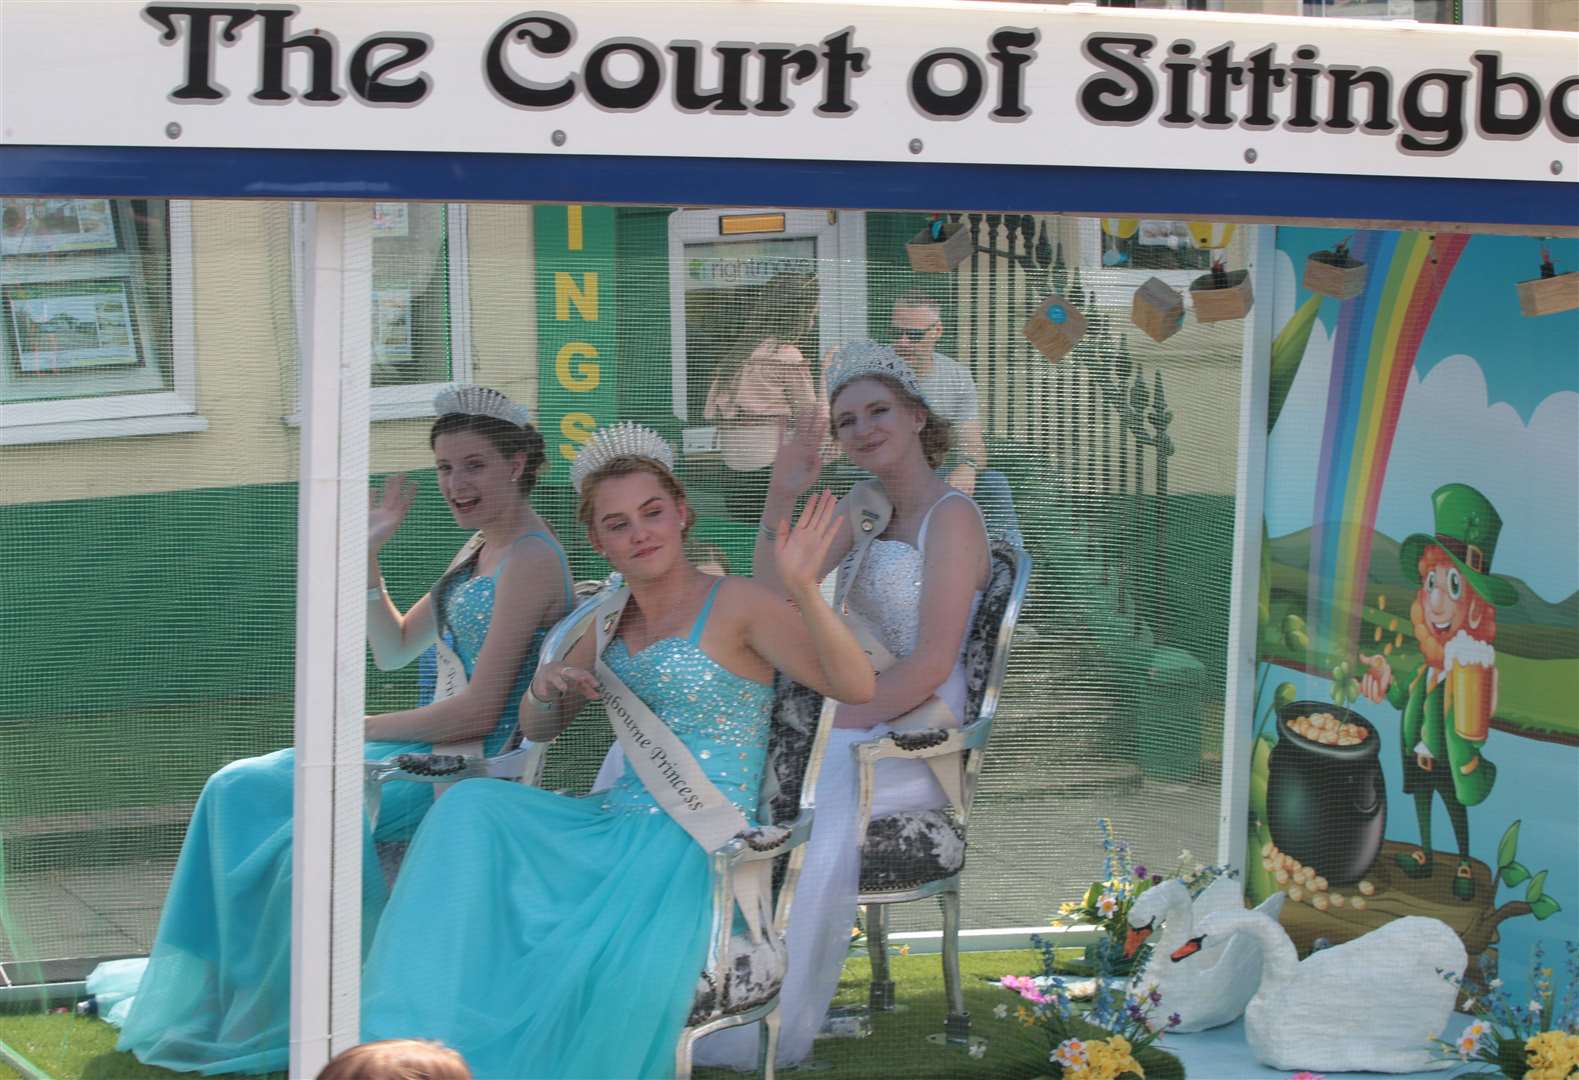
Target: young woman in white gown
(918,587)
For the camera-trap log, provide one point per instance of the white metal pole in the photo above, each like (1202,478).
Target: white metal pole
(1245,589)
(330,626)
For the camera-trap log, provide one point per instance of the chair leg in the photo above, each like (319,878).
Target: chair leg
(956,1029)
(880,997)
(770,1043)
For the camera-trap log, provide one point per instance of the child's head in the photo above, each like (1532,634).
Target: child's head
(397,1059)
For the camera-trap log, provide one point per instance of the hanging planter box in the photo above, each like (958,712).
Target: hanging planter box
(1055,327)
(1549,295)
(1157,309)
(1336,274)
(1221,297)
(930,256)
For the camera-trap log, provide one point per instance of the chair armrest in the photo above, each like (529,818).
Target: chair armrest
(911,745)
(753,845)
(762,843)
(927,743)
(449,768)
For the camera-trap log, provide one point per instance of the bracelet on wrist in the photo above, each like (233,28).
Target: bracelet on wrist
(375,593)
(537,702)
(768,531)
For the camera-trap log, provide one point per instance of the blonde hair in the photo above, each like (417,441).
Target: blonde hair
(397,1059)
(629,466)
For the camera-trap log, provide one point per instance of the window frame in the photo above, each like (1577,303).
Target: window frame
(154,412)
(841,270)
(412,400)
(1114,286)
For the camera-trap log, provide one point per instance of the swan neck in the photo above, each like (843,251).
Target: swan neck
(1177,925)
(1279,960)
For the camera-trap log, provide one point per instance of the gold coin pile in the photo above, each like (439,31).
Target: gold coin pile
(1327,729)
(1304,886)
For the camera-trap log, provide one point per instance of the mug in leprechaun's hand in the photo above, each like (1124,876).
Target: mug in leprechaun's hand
(1471,685)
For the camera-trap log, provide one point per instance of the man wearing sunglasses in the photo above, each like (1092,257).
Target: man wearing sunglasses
(917,324)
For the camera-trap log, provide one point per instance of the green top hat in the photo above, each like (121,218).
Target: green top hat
(1467,526)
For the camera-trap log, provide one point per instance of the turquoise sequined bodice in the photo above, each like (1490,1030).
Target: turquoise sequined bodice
(721,717)
(468,611)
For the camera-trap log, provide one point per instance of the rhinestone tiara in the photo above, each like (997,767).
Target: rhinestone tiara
(624,439)
(858,359)
(471,400)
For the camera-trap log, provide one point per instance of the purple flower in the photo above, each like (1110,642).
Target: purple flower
(1175,1020)
(1155,996)
(1140,872)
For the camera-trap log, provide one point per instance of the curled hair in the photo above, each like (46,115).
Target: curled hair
(628,466)
(397,1059)
(507,438)
(937,434)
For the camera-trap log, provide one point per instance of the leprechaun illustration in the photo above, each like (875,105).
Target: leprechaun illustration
(1448,701)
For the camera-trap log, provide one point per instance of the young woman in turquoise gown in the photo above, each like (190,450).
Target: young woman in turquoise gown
(549,936)
(214,994)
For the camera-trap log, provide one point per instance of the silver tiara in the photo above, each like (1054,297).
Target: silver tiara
(470,400)
(624,439)
(858,359)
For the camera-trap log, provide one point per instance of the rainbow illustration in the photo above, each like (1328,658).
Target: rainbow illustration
(1374,349)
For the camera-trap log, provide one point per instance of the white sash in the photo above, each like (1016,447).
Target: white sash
(672,776)
(870,511)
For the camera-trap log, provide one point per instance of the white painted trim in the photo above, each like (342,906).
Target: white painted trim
(414,400)
(122,427)
(112,415)
(458,260)
(1245,593)
(330,625)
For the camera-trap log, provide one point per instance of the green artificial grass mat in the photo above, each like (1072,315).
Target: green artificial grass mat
(70,1048)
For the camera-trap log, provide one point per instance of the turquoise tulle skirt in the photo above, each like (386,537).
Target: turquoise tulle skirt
(215,995)
(542,935)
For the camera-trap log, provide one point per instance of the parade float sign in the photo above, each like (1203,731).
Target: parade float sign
(1415,737)
(1028,84)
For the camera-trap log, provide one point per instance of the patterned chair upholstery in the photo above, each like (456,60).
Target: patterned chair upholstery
(917,854)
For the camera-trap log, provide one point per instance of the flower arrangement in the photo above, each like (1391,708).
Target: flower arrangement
(1534,1041)
(1106,904)
(1103,1043)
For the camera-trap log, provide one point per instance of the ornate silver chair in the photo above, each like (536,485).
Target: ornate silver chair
(916,854)
(740,981)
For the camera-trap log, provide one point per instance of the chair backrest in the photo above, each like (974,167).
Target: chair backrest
(987,652)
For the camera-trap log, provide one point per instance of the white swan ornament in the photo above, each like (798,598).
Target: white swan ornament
(1214,988)
(1368,1005)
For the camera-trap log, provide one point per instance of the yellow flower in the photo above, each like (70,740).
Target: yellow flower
(904,950)
(1552,1055)
(1022,1016)
(1109,1060)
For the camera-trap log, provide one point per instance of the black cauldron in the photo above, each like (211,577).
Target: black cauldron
(1326,805)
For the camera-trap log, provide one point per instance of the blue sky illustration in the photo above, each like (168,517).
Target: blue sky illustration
(1525,359)
(1493,401)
